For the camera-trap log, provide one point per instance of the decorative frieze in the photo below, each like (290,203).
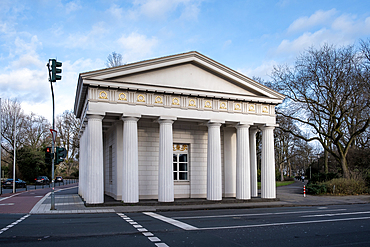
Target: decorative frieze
(177,101)
(122,96)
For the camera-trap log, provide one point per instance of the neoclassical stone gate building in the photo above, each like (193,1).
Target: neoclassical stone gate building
(182,126)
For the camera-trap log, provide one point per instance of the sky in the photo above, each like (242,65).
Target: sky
(250,36)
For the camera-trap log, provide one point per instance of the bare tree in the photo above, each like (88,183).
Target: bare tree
(12,120)
(285,144)
(327,92)
(68,127)
(114,60)
(36,130)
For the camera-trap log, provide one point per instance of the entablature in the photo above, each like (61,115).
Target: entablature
(186,102)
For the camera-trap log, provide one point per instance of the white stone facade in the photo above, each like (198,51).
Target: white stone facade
(181,126)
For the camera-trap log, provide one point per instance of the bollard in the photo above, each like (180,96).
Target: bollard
(304,190)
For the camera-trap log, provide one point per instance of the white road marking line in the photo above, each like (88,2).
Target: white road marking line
(260,214)
(7,204)
(13,224)
(144,231)
(154,239)
(161,245)
(171,221)
(282,224)
(8,197)
(326,215)
(66,189)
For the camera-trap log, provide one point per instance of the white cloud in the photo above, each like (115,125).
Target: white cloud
(159,9)
(227,43)
(136,46)
(319,17)
(342,30)
(348,25)
(24,84)
(263,71)
(73,6)
(24,47)
(88,39)
(116,12)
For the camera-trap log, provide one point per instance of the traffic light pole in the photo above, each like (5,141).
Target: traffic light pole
(52,207)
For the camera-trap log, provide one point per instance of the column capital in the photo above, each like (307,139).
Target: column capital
(272,126)
(214,124)
(242,125)
(131,115)
(94,116)
(166,119)
(130,118)
(253,130)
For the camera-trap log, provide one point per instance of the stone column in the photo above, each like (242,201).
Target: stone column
(252,147)
(214,169)
(243,182)
(130,169)
(94,166)
(268,187)
(229,161)
(165,168)
(81,162)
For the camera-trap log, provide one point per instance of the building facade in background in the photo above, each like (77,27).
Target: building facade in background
(181,126)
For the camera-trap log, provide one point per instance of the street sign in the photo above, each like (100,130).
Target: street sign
(53,134)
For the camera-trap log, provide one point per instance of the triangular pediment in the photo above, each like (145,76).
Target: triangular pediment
(187,76)
(189,73)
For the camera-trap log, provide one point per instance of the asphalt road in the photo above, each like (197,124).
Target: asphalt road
(34,187)
(339,225)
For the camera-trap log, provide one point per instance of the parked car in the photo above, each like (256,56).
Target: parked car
(8,184)
(42,180)
(59,179)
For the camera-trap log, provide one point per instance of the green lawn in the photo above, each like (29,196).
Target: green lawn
(278,183)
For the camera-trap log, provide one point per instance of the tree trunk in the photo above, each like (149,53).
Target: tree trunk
(343,162)
(326,159)
(281,172)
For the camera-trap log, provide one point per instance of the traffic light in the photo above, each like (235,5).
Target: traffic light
(48,155)
(60,154)
(54,70)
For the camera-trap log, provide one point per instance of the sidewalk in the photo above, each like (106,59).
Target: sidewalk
(68,201)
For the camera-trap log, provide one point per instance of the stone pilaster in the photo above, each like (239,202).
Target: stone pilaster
(94,156)
(130,169)
(252,147)
(243,182)
(214,169)
(165,168)
(268,187)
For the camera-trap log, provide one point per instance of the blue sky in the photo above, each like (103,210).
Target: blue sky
(248,36)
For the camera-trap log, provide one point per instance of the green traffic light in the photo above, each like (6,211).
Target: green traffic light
(54,70)
(60,154)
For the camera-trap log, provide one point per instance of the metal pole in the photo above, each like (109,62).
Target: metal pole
(1,187)
(52,206)
(14,153)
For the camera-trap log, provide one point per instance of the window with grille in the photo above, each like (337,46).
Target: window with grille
(180,162)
